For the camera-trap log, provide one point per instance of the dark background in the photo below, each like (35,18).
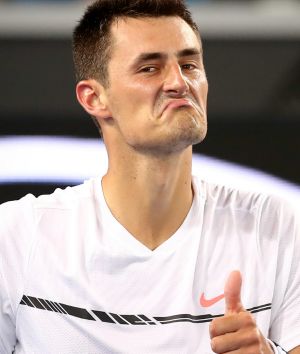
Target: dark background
(253,107)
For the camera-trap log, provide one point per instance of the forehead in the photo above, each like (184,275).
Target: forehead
(132,36)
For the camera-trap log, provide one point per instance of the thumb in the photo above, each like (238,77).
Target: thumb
(232,292)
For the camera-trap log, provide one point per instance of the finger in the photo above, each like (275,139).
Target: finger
(232,292)
(239,351)
(231,323)
(231,342)
(223,344)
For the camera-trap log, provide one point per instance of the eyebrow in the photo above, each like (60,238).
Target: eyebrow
(159,55)
(189,52)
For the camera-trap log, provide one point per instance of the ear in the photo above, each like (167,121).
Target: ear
(92,97)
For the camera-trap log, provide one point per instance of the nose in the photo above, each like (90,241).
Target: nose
(175,83)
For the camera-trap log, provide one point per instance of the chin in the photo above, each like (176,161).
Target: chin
(174,143)
(188,138)
(191,130)
(186,131)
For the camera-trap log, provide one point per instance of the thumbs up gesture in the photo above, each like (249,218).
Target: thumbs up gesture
(236,332)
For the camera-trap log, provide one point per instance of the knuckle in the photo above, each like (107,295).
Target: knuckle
(254,338)
(251,340)
(248,319)
(213,328)
(214,344)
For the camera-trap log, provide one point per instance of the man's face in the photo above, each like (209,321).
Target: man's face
(157,88)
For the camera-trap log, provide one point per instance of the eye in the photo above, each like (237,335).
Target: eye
(148,69)
(188,66)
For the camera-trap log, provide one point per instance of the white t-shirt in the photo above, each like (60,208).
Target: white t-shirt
(74,281)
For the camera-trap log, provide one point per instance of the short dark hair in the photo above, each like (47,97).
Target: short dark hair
(92,39)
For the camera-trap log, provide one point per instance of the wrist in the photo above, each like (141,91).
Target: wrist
(276,348)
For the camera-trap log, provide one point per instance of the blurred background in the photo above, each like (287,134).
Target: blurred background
(252,59)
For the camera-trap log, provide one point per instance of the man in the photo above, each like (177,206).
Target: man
(147,259)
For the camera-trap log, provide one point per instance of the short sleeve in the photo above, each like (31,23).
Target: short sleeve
(16,236)
(285,321)
(7,325)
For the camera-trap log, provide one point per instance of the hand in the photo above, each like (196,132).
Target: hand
(236,332)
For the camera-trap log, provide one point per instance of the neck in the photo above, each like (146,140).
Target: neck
(150,197)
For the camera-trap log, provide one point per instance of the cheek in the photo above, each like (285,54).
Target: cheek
(129,100)
(131,111)
(200,90)
(142,94)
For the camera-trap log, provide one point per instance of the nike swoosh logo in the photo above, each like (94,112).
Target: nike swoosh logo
(209,302)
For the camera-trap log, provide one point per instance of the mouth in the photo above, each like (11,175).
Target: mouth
(176,103)
(181,103)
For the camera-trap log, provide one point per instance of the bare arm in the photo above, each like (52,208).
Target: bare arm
(295,350)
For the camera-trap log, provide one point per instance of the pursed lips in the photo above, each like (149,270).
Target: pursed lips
(180,102)
(176,103)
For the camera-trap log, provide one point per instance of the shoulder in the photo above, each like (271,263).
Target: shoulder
(272,213)
(19,218)
(23,222)
(224,196)
(59,199)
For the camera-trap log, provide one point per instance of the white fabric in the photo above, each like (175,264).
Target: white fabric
(69,249)
(276,349)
